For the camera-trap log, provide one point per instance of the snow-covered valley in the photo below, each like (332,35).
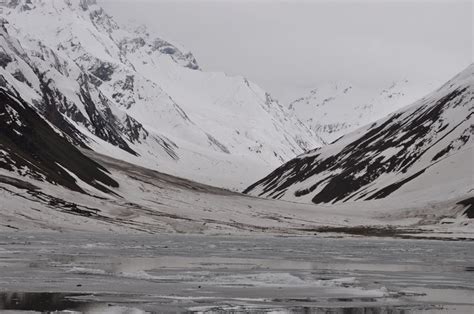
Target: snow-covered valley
(90,128)
(122,163)
(148,201)
(138,107)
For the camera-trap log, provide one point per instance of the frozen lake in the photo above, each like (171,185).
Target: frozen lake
(189,273)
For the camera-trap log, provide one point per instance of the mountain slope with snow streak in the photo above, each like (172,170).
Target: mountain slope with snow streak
(421,152)
(142,99)
(30,147)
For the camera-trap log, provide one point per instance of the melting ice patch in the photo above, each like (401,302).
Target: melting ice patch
(86,271)
(276,279)
(264,279)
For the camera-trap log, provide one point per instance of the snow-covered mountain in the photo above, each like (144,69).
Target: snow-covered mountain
(334,109)
(139,98)
(424,151)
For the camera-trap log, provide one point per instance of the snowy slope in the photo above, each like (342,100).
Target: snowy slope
(424,151)
(334,109)
(142,99)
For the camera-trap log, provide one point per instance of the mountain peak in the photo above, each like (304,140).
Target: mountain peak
(59,23)
(25,5)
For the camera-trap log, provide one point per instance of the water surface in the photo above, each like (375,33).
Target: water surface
(183,273)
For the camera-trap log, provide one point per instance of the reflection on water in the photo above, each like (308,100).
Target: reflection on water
(176,273)
(43,302)
(365,310)
(88,303)
(312,310)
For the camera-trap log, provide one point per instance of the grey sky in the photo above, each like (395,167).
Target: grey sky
(290,46)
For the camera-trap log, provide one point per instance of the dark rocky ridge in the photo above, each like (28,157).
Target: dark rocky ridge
(31,147)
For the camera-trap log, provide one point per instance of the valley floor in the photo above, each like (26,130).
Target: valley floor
(148,201)
(108,273)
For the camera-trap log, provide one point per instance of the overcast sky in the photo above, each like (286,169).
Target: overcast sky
(288,47)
